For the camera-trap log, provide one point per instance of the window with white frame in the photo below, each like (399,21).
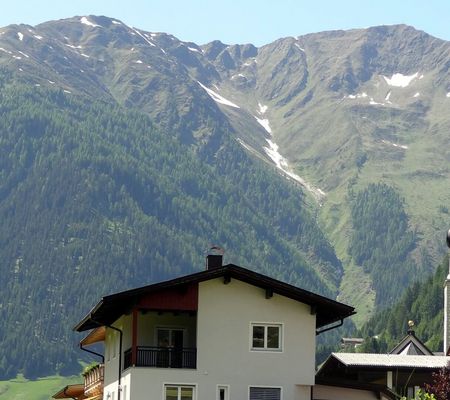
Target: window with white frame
(265,336)
(264,393)
(223,392)
(179,392)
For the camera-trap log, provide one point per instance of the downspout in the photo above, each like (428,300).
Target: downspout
(93,352)
(119,388)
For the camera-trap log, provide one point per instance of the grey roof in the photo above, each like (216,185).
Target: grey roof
(391,360)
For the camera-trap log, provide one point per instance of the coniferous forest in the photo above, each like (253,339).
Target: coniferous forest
(94,199)
(126,154)
(382,241)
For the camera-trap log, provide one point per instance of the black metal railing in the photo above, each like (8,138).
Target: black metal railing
(162,357)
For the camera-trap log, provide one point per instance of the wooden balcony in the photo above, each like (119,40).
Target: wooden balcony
(93,380)
(162,357)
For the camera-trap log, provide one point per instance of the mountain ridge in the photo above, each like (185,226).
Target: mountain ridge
(333,113)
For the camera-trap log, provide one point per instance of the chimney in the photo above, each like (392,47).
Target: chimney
(447,304)
(214,258)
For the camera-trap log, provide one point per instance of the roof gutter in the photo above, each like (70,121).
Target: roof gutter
(318,332)
(93,352)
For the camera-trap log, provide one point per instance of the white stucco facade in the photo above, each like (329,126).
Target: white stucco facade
(221,331)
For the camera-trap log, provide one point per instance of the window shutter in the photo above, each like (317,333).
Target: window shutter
(262,393)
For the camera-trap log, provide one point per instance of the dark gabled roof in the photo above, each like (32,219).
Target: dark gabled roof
(411,345)
(111,307)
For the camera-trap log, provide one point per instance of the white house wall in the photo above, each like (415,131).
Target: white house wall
(225,312)
(224,357)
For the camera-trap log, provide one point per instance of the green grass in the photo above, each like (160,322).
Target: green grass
(40,389)
(356,289)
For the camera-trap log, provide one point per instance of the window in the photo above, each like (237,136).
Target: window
(178,392)
(265,393)
(223,392)
(266,336)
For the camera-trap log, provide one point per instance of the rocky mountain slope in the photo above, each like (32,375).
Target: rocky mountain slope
(145,133)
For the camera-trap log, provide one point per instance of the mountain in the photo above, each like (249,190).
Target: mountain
(99,194)
(321,160)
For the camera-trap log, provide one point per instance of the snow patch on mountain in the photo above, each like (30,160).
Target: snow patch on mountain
(143,37)
(401,146)
(265,124)
(248,63)
(217,97)
(300,48)
(400,80)
(38,37)
(282,164)
(194,50)
(25,55)
(388,96)
(74,47)
(85,21)
(372,102)
(116,22)
(20,35)
(9,52)
(138,61)
(417,94)
(246,146)
(448,94)
(362,95)
(262,108)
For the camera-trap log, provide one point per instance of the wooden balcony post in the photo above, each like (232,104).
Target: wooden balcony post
(134,337)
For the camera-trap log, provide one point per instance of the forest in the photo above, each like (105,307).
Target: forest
(94,198)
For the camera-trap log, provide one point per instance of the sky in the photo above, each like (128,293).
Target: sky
(240,21)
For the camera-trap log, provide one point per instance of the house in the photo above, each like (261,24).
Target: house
(403,371)
(403,374)
(222,333)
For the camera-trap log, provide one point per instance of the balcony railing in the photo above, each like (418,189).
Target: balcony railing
(93,380)
(162,357)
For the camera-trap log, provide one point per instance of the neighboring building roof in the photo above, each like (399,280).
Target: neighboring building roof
(71,392)
(377,389)
(389,360)
(411,345)
(111,307)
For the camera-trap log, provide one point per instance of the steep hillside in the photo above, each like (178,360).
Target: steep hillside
(95,199)
(125,153)
(423,303)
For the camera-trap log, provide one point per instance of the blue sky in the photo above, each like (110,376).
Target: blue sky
(244,21)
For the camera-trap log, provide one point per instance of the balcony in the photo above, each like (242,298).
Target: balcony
(93,380)
(162,357)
